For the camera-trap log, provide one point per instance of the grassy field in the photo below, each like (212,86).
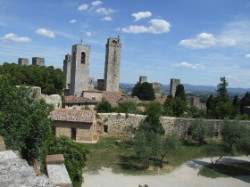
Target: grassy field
(119,155)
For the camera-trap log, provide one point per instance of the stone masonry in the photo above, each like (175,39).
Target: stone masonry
(112,65)
(121,124)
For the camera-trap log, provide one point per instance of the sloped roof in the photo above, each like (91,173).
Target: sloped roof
(78,100)
(86,116)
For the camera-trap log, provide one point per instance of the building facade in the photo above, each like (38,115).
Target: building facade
(38,61)
(79,80)
(67,69)
(112,65)
(173,85)
(23,61)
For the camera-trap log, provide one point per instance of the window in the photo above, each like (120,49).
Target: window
(83,56)
(105,128)
(73,133)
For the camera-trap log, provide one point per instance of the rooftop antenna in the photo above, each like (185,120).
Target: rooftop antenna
(81,40)
(118,37)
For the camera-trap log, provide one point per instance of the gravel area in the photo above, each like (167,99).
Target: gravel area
(184,176)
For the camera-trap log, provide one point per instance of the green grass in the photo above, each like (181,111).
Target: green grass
(118,154)
(225,170)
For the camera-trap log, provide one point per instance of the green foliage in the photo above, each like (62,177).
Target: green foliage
(220,107)
(175,107)
(232,132)
(214,150)
(104,107)
(180,92)
(222,89)
(49,79)
(75,156)
(128,107)
(143,91)
(24,122)
(243,143)
(245,101)
(201,130)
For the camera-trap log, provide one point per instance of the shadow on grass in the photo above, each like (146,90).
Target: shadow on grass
(130,163)
(229,168)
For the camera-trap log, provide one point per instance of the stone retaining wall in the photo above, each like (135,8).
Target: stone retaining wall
(121,124)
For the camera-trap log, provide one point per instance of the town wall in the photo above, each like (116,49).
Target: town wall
(121,124)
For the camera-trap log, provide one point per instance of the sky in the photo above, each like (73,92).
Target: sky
(197,41)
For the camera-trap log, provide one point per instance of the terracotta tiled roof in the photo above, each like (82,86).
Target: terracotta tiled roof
(112,97)
(93,91)
(86,116)
(78,100)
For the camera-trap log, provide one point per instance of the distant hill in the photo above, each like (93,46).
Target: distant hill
(127,87)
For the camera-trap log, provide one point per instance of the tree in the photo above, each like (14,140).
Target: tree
(243,143)
(24,121)
(220,107)
(104,106)
(143,91)
(245,101)
(232,132)
(201,130)
(175,107)
(49,79)
(222,89)
(180,92)
(236,105)
(154,111)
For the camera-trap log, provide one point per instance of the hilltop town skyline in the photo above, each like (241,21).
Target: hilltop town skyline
(197,42)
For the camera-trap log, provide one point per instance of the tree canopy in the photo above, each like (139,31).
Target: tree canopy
(49,79)
(23,120)
(143,91)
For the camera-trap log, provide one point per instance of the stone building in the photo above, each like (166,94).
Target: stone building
(173,85)
(112,65)
(79,78)
(143,79)
(79,125)
(38,61)
(23,61)
(157,89)
(67,69)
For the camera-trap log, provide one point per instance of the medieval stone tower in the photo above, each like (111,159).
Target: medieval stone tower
(67,69)
(79,76)
(173,85)
(112,65)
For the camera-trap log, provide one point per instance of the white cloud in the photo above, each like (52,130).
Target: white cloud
(141,15)
(157,26)
(73,21)
(107,18)
(207,40)
(247,55)
(88,33)
(83,7)
(105,11)
(96,3)
(15,38)
(45,32)
(188,65)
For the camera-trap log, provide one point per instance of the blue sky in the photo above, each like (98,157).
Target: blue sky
(197,41)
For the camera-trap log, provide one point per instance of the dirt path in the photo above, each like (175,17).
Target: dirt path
(184,176)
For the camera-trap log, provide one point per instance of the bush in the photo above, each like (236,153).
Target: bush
(75,155)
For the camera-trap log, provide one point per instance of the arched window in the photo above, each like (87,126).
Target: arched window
(83,56)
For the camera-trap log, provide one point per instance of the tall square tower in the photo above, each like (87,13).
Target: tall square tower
(67,69)
(112,65)
(79,80)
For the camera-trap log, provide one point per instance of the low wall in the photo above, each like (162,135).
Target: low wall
(121,124)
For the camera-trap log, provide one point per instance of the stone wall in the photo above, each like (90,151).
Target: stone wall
(120,124)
